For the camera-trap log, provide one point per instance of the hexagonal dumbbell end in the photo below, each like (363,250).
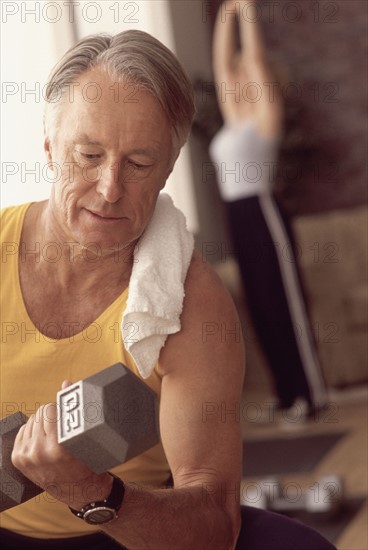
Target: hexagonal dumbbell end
(108,418)
(15,487)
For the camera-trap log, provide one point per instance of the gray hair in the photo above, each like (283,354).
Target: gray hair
(138,57)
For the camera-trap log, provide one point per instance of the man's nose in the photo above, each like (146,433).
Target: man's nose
(110,184)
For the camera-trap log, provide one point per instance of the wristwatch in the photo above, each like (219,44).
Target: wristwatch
(103,511)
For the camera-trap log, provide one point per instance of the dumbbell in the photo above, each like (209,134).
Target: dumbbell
(15,487)
(323,497)
(103,421)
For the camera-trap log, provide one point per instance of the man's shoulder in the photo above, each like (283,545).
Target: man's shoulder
(11,219)
(10,212)
(204,290)
(210,328)
(202,271)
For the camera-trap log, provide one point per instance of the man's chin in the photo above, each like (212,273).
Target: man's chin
(96,245)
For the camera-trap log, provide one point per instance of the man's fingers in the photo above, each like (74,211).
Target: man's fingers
(65,384)
(20,433)
(49,419)
(31,425)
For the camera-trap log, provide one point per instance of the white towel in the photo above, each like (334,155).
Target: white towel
(156,287)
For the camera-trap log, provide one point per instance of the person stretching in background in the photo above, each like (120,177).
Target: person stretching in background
(245,151)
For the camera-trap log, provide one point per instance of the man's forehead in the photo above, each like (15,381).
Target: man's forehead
(100,97)
(96,84)
(102,117)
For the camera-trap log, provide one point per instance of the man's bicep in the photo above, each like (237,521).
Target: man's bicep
(200,432)
(203,369)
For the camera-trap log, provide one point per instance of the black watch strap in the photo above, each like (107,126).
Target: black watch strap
(103,511)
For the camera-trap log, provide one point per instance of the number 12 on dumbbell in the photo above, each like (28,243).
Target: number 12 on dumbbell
(71,411)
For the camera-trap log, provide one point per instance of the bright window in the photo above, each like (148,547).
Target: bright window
(34,36)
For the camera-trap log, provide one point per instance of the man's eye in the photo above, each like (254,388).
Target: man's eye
(138,166)
(90,156)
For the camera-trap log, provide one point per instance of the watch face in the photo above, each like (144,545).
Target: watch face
(99,515)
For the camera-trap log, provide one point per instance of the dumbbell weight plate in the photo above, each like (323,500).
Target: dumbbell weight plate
(108,418)
(14,486)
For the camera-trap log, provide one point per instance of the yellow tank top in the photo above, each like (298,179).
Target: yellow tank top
(32,368)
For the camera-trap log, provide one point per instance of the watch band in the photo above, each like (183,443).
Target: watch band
(103,511)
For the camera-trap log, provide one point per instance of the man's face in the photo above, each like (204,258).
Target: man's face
(112,146)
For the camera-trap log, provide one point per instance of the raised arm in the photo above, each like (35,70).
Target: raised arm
(246,84)
(224,48)
(250,33)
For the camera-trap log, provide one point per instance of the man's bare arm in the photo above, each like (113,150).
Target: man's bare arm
(202,369)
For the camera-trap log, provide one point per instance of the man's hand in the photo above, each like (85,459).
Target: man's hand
(41,459)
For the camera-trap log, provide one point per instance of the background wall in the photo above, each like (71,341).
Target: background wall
(320,49)
(325,53)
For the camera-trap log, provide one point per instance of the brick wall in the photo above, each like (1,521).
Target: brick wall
(321,48)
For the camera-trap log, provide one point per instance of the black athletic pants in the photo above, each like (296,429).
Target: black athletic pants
(264,251)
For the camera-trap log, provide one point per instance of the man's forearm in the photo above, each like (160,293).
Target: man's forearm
(172,519)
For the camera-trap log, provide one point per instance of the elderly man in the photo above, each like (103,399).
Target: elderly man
(114,149)
(114,154)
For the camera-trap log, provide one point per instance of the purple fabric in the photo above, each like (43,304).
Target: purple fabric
(263,530)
